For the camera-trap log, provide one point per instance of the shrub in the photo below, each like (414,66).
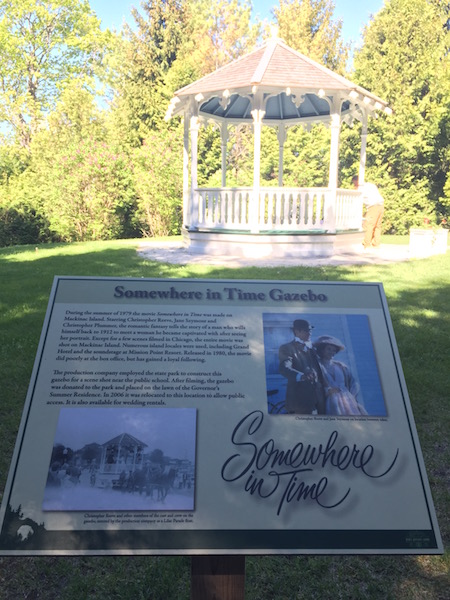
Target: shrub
(158,182)
(90,193)
(18,227)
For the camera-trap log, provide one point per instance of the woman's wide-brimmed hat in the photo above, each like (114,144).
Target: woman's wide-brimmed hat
(328,339)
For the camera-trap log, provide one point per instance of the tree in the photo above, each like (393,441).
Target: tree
(147,54)
(307,157)
(157,456)
(158,184)
(222,31)
(173,44)
(405,60)
(308,26)
(43,45)
(78,183)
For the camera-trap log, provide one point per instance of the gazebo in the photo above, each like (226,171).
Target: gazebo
(124,453)
(273,86)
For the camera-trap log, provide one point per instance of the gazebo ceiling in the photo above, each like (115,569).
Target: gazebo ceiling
(279,107)
(290,87)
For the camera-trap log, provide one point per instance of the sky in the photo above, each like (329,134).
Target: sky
(171,430)
(353,13)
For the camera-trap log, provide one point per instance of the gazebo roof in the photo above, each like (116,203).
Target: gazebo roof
(293,88)
(125,438)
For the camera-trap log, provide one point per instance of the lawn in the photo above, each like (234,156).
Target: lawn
(417,294)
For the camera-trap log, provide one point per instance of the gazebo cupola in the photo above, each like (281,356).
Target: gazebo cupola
(278,87)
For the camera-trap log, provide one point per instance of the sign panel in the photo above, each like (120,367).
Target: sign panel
(217,417)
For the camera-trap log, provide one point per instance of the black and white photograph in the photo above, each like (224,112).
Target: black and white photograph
(122,459)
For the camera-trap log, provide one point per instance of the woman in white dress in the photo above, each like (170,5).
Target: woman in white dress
(341,388)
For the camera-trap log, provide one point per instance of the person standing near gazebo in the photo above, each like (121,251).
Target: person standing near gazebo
(374,203)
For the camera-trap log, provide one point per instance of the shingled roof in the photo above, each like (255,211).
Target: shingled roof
(125,438)
(274,69)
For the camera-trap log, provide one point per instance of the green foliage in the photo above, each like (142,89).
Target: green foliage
(13,161)
(21,220)
(405,208)
(221,31)
(146,56)
(76,183)
(158,183)
(240,156)
(43,44)
(308,26)
(307,157)
(349,152)
(89,196)
(19,225)
(73,171)
(209,156)
(404,60)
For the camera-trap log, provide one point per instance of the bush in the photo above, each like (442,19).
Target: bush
(18,227)
(89,193)
(406,208)
(158,181)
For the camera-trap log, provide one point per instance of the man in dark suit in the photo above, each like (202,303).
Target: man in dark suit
(299,364)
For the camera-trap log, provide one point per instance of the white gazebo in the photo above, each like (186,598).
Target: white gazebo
(277,87)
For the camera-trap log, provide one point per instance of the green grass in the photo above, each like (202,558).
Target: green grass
(418,298)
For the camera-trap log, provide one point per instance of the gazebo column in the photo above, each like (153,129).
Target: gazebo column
(258,116)
(330,214)
(282,134)
(224,140)
(194,127)
(362,156)
(186,203)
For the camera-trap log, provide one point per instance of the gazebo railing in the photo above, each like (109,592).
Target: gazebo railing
(349,209)
(222,208)
(278,209)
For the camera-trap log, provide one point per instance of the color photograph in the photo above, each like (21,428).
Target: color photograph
(321,365)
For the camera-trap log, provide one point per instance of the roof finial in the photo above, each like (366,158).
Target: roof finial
(273,31)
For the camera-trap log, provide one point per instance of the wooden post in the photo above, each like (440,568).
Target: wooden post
(217,577)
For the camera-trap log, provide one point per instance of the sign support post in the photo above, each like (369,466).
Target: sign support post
(218,577)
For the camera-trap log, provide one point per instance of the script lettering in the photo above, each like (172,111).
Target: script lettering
(266,470)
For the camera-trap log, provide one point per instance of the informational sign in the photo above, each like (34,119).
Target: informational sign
(217,417)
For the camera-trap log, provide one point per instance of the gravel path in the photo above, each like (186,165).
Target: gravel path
(176,253)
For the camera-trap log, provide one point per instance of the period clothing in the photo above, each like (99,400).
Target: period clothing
(340,387)
(341,401)
(303,396)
